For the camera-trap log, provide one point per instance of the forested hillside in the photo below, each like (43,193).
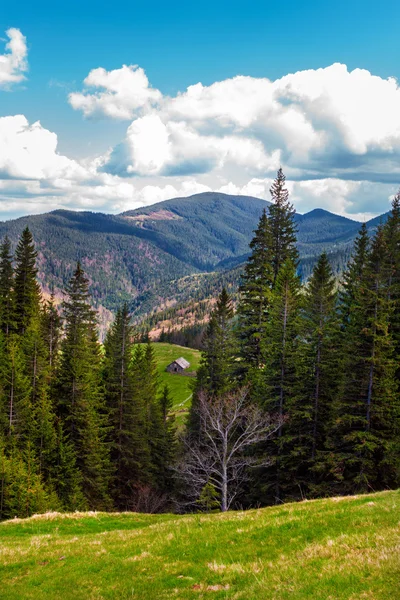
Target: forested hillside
(149,257)
(297,393)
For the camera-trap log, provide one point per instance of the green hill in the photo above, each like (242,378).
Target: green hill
(335,549)
(180,385)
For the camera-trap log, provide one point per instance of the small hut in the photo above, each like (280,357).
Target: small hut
(178,366)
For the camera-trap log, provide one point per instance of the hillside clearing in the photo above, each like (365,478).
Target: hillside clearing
(180,385)
(339,548)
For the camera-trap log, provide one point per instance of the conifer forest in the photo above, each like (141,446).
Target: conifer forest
(297,395)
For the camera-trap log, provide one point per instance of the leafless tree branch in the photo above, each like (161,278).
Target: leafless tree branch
(229,426)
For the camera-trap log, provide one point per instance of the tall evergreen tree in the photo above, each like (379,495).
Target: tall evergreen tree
(144,371)
(353,276)
(7,308)
(216,374)
(279,375)
(392,240)
(366,416)
(16,413)
(255,297)
(119,386)
(317,374)
(282,226)
(26,287)
(51,331)
(80,392)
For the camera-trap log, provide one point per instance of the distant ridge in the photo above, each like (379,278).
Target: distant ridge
(139,255)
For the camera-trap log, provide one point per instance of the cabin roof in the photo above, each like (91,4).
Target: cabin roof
(183,363)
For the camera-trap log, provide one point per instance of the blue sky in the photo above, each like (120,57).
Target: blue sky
(177,45)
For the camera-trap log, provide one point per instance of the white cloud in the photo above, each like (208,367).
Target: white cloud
(357,200)
(30,152)
(13,63)
(336,133)
(152,147)
(320,123)
(125,92)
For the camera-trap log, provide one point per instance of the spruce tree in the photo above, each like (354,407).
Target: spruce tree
(353,275)
(392,240)
(366,415)
(51,332)
(66,478)
(215,374)
(119,393)
(16,411)
(279,375)
(163,443)
(80,392)
(22,492)
(282,226)
(317,374)
(255,297)
(26,287)
(7,308)
(144,397)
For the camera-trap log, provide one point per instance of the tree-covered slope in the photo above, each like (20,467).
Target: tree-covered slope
(120,261)
(339,548)
(140,255)
(205,228)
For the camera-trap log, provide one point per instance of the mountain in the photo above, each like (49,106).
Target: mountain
(171,251)
(201,230)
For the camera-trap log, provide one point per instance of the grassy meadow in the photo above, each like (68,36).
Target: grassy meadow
(334,549)
(180,385)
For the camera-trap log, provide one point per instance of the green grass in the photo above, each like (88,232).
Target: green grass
(336,549)
(180,385)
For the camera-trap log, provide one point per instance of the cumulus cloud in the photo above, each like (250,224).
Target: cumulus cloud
(335,132)
(123,92)
(320,123)
(153,147)
(13,63)
(30,152)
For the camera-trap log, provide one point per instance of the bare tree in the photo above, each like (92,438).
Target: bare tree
(229,426)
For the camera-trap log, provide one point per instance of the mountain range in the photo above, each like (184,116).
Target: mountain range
(157,256)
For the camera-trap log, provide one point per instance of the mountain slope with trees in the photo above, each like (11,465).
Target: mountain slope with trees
(299,381)
(137,257)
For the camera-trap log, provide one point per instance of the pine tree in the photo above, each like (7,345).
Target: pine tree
(366,416)
(317,373)
(7,308)
(282,227)
(22,492)
(26,287)
(255,297)
(392,239)
(66,478)
(279,376)
(51,332)
(215,375)
(163,442)
(16,411)
(119,387)
(144,372)
(353,275)
(80,392)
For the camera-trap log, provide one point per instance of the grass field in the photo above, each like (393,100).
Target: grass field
(336,549)
(179,385)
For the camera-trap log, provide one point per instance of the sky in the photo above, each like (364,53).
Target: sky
(111,106)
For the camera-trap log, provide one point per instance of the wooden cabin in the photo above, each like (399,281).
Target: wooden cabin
(178,366)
